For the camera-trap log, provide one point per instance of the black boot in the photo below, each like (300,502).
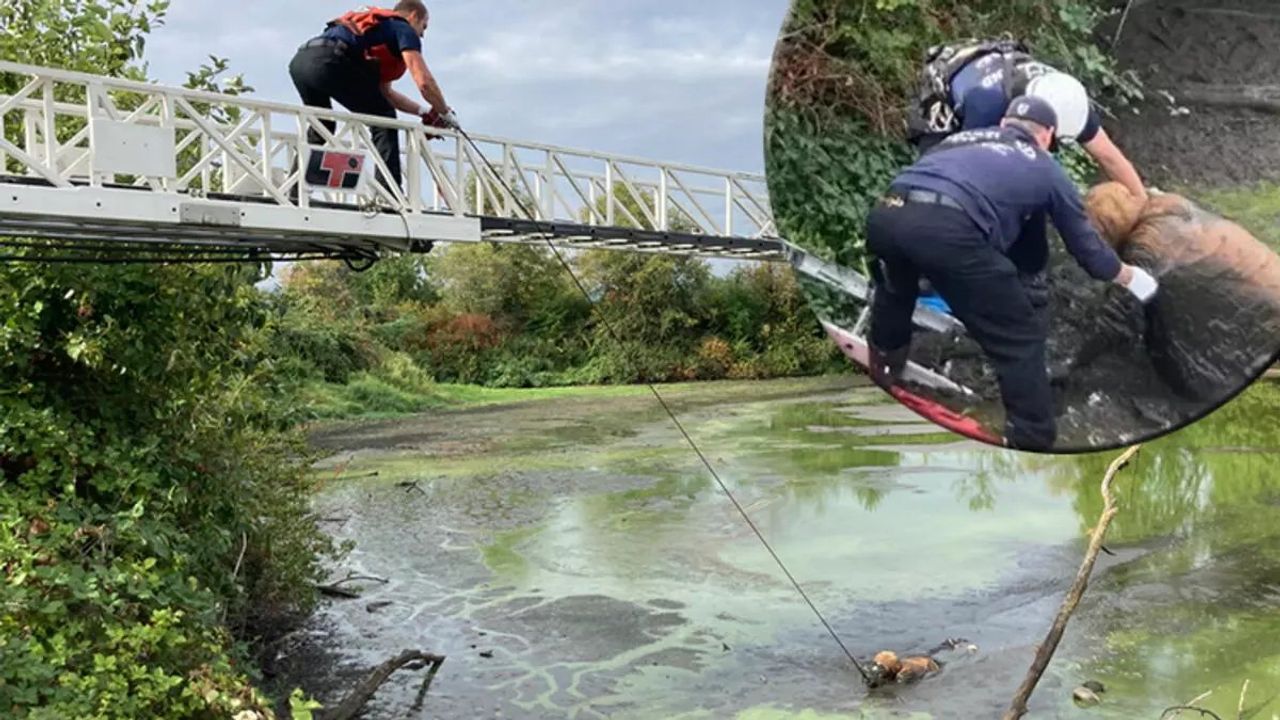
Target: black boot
(1030,436)
(886,366)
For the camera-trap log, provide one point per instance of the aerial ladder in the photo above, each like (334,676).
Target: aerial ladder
(88,161)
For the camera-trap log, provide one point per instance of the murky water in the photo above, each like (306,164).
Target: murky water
(576,561)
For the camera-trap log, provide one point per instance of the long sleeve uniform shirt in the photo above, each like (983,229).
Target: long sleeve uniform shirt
(1002,179)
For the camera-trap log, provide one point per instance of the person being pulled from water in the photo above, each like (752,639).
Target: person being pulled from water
(355,60)
(953,217)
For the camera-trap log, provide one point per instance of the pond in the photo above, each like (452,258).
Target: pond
(572,558)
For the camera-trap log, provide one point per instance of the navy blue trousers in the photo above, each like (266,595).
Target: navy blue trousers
(985,292)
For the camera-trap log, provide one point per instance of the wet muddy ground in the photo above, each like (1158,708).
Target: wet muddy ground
(573,560)
(1177,45)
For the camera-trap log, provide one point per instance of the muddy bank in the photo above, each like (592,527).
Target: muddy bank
(1179,45)
(480,429)
(1109,358)
(609,577)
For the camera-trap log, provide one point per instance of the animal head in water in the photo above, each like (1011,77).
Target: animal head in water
(887,662)
(1113,210)
(883,669)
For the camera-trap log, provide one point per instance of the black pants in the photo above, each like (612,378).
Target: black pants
(324,74)
(983,288)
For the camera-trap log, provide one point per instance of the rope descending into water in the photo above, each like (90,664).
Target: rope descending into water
(617,339)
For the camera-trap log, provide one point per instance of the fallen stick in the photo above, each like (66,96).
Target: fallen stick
(1260,98)
(1190,705)
(235,571)
(1180,708)
(354,702)
(426,684)
(1044,653)
(352,577)
(1231,13)
(336,591)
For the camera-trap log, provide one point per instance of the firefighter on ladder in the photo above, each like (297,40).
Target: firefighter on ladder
(355,60)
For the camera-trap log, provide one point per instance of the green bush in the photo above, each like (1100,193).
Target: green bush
(487,329)
(154,500)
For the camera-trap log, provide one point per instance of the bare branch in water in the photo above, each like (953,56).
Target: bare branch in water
(1044,653)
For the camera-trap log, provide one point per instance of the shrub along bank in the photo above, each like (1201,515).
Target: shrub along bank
(153,492)
(507,316)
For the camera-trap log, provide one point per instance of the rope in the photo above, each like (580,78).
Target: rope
(1120,28)
(662,401)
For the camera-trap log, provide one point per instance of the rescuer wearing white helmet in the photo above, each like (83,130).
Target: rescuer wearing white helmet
(1068,98)
(969,85)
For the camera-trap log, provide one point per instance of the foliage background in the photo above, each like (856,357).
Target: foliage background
(154,524)
(505,316)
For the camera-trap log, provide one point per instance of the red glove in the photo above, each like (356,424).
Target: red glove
(431,118)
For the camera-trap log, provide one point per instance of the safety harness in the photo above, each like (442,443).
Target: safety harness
(391,65)
(932,111)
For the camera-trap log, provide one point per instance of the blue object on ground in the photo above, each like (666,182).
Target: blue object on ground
(935,302)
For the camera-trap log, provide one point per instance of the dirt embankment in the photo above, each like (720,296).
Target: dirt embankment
(1220,59)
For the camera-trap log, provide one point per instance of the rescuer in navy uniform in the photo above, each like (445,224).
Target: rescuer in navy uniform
(969,85)
(953,217)
(355,60)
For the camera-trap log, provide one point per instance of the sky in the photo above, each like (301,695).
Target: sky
(676,81)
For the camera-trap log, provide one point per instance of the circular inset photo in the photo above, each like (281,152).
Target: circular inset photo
(1044,226)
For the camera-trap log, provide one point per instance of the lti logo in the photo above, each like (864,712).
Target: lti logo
(335,169)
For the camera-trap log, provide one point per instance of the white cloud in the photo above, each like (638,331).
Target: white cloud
(509,57)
